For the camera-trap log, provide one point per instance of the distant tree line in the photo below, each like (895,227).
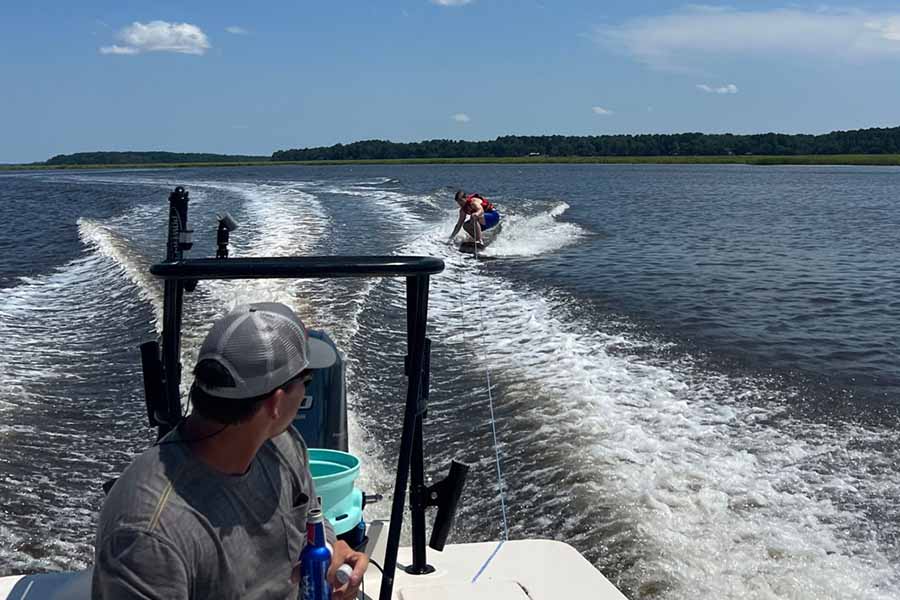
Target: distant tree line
(136,158)
(862,141)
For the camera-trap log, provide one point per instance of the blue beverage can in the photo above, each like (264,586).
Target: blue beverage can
(315,560)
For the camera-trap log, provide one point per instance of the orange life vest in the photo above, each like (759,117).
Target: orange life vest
(470,208)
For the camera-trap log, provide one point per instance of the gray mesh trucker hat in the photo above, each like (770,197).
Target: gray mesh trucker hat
(262,345)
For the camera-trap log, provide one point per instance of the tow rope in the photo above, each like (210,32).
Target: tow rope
(503,523)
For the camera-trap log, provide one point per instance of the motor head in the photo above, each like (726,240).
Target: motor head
(227,221)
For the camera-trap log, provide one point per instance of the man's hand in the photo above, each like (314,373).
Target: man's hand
(344,554)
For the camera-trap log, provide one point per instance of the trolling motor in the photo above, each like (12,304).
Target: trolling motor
(181,238)
(162,370)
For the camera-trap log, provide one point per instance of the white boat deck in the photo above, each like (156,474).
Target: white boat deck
(520,570)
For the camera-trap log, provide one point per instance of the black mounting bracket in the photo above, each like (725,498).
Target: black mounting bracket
(445,494)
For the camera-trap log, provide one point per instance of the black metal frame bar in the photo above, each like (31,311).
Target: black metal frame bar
(181,274)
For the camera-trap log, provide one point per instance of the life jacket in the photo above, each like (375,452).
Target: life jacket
(469,207)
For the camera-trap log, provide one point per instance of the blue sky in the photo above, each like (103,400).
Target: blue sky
(251,78)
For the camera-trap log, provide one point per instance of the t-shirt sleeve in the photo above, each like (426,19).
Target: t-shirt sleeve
(137,564)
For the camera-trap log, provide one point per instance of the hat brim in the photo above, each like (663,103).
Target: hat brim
(321,354)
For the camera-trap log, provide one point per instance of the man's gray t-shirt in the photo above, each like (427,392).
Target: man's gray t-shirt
(172,527)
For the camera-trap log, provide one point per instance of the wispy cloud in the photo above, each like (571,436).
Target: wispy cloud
(725,89)
(461,118)
(236,30)
(687,37)
(599,110)
(706,8)
(451,2)
(159,36)
(118,50)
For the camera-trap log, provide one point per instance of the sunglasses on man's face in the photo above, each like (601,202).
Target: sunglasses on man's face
(304,378)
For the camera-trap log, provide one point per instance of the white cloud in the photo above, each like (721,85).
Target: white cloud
(689,36)
(451,2)
(236,30)
(889,28)
(599,110)
(461,118)
(159,36)
(118,50)
(725,89)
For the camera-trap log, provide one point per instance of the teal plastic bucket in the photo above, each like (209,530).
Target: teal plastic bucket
(334,472)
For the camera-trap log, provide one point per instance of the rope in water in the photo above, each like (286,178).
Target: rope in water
(504,522)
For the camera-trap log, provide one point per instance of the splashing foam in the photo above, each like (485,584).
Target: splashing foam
(534,235)
(288,220)
(710,498)
(114,246)
(282,221)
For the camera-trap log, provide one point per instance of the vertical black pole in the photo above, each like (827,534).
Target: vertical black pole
(417,314)
(417,498)
(173,294)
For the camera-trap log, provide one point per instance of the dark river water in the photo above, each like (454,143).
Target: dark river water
(694,369)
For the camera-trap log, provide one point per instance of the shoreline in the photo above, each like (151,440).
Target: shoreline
(761,160)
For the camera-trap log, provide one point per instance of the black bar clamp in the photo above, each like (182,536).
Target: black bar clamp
(445,494)
(154,388)
(422,406)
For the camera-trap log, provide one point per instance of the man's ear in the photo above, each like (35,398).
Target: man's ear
(274,404)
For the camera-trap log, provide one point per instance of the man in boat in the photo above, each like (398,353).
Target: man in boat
(476,215)
(217,508)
